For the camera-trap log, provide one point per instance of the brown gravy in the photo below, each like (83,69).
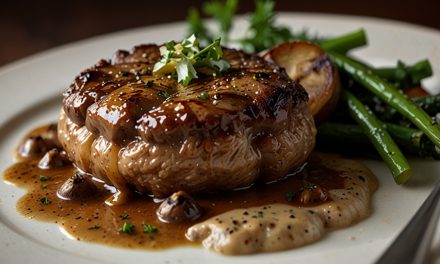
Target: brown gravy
(92,220)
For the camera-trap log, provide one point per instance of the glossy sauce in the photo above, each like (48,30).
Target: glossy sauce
(92,220)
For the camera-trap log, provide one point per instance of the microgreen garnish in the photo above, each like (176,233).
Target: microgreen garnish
(45,201)
(127,228)
(148,229)
(185,57)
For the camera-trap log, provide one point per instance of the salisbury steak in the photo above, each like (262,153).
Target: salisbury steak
(134,129)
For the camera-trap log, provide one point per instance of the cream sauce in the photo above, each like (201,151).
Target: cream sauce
(337,190)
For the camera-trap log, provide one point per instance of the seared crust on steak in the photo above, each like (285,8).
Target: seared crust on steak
(251,124)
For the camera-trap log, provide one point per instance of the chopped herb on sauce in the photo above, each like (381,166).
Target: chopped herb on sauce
(148,229)
(127,228)
(124,216)
(45,201)
(260,214)
(44,178)
(44,187)
(289,196)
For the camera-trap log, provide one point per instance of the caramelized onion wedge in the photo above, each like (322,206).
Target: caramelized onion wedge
(311,67)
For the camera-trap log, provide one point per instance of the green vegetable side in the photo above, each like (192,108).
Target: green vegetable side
(373,99)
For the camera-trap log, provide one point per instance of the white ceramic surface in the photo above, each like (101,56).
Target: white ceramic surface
(31,92)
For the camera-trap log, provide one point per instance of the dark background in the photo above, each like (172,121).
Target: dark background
(27,27)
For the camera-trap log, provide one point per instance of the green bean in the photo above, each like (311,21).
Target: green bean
(379,137)
(389,95)
(344,43)
(405,76)
(411,140)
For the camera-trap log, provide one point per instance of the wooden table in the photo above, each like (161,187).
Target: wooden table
(27,27)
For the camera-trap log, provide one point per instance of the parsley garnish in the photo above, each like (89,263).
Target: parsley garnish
(148,229)
(45,201)
(196,26)
(127,228)
(185,57)
(290,196)
(262,33)
(223,13)
(44,178)
(124,216)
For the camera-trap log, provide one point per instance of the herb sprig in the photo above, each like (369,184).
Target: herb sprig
(185,57)
(262,33)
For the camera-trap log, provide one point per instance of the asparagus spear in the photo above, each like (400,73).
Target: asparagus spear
(379,137)
(389,95)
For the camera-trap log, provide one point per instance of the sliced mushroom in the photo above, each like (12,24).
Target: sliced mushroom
(53,159)
(40,141)
(78,187)
(33,146)
(311,67)
(313,194)
(178,208)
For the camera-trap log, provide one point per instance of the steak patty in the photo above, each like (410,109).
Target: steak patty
(134,129)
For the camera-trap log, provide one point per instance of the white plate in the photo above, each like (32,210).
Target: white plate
(31,92)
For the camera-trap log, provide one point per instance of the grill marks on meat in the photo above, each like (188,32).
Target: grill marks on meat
(117,124)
